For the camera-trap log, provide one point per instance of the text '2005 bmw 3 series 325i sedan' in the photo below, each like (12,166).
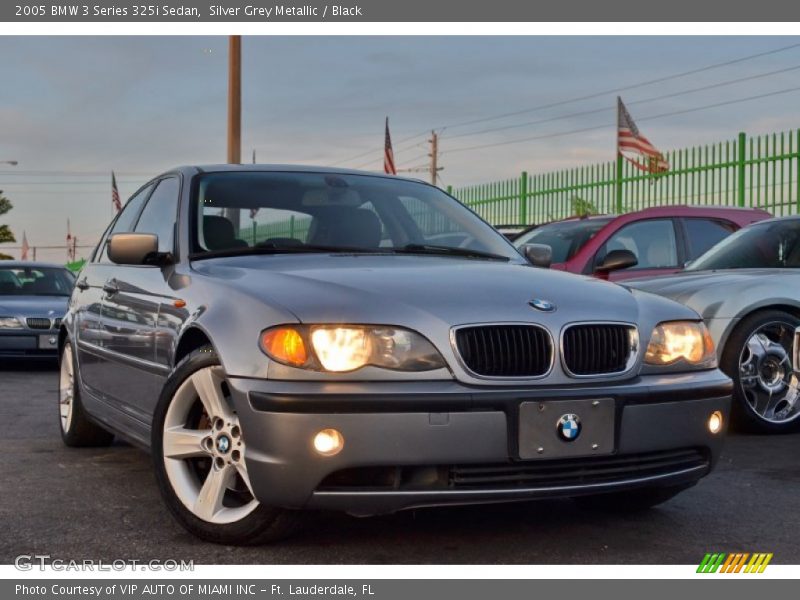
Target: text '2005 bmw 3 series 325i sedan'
(287,338)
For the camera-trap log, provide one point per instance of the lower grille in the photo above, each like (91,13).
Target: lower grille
(38,323)
(597,349)
(577,470)
(505,350)
(512,475)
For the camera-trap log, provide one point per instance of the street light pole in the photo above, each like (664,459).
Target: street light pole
(234,99)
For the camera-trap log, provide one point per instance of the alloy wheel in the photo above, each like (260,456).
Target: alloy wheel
(66,388)
(204,451)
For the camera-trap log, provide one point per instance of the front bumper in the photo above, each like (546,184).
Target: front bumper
(25,343)
(412,444)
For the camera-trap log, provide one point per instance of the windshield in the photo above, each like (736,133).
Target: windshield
(260,211)
(35,281)
(767,245)
(566,238)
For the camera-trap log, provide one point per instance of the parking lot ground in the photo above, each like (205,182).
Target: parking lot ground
(76,504)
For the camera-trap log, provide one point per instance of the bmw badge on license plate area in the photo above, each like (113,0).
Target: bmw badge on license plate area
(566,428)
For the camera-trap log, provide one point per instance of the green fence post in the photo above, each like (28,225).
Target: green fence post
(618,184)
(291,226)
(741,164)
(523,198)
(254,232)
(450,190)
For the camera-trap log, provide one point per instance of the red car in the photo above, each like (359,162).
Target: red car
(654,241)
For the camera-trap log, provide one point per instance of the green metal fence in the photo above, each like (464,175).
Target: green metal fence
(759,171)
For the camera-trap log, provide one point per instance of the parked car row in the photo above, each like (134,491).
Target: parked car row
(396,351)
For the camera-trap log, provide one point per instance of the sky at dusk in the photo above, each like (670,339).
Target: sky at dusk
(74,108)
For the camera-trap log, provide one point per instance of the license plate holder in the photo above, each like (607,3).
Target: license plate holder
(566,428)
(48,341)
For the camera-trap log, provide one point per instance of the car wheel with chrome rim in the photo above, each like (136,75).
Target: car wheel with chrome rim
(199,451)
(76,429)
(758,357)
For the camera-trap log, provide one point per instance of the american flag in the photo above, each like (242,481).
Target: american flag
(70,244)
(25,247)
(630,140)
(388,154)
(115,201)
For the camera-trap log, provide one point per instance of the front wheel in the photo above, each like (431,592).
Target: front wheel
(199,452)
(758,357)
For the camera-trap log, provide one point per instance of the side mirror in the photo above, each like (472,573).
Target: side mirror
(616,260)
(134,248)
(539,255)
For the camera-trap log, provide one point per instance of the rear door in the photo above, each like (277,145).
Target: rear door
(702,233)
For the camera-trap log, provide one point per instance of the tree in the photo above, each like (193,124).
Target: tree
(582,208)
(5,233)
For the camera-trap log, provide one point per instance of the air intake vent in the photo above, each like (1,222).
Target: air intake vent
(598,349)
(505,350)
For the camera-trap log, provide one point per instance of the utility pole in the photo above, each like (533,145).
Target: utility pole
(435,168)
(234,113)
(234,99)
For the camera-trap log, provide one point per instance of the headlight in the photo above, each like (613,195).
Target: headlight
(341,348)
(687,341)
(10,323)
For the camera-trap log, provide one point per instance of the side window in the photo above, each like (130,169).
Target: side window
(160,214)
(127,217)
(652,241)
(704,233)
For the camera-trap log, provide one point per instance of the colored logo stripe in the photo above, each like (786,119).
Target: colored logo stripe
(734,563)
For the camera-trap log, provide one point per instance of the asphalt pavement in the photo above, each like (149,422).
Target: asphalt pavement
(103,504)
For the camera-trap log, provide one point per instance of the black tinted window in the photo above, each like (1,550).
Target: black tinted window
(160,213)
(704,233)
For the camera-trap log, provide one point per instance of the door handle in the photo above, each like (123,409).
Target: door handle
(110,287)
(82,284)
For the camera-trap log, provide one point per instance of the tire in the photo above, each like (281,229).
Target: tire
(758,357)
(204,481)
(77,431)
(632,501)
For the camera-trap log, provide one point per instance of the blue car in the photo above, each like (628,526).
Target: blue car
(33,300)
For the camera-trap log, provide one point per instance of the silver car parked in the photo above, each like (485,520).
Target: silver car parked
(747,289)
(288,338)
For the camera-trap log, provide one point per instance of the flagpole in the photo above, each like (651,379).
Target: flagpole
(618,180)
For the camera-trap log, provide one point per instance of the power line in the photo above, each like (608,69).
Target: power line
(625,88)
(597,127)
(634,102)
(346,160)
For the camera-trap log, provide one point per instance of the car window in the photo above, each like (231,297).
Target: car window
(702,234)
(652,242)
(35,281)
(308,212)
(565,238)
(160,213)
(127,217)
(768,245)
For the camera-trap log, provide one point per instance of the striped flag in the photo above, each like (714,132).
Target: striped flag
(70,244)
(25,247)
(115,201)
(630,140)
(388,154)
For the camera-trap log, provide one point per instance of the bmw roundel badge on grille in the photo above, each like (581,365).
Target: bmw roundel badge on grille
(569,427)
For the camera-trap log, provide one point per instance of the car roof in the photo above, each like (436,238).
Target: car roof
(244,168)
(30,263)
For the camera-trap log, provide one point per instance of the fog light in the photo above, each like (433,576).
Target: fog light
(328,442)
(715,422)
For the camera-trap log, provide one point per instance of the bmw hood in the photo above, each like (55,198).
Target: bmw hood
(33,306)
(410,290)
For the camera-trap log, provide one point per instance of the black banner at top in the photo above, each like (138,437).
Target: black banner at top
(255,11)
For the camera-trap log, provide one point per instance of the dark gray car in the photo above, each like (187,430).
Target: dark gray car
(33,300)
(747,288)
(285,338)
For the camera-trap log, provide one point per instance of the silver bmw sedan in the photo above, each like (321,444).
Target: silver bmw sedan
(287,338)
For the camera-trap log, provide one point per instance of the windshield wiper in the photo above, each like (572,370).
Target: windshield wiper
(279,249)
(448,251)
